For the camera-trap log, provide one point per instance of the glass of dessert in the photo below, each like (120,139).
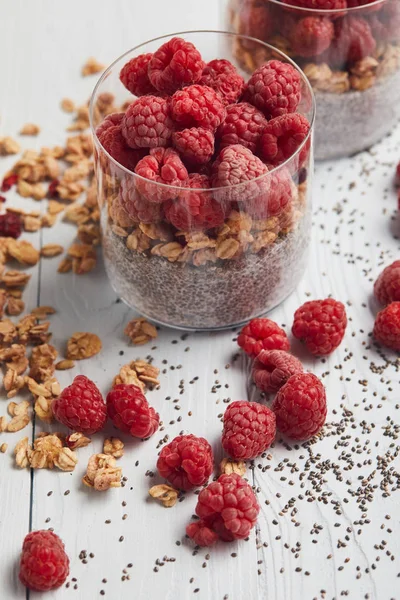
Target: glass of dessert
(349,50)
(204,173)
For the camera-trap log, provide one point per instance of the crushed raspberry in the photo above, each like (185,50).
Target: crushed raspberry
(229,507)
(8,182)
(175,64)
(201,534)
(387,286)
(386,24)
(147,123)
(195,210)
(52,191)
(162,165)
(114,143)
(44,565)
(275,199)
(136,207)
(272,369)
(281,138)
(186,462)
(300,406)
(353,40)
(321,325)
(243,125)
(323,5)
(81,406)
(262,334)
(10,225)
(134,75)
(197,106)
(311,36)
(387,326)
(249,429)
(195,145)
(222,76)
(274,88)
(130,412)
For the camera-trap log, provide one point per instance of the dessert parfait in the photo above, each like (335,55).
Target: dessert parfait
(349,50)
(204,179)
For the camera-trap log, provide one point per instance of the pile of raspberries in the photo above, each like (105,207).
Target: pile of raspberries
(195,127)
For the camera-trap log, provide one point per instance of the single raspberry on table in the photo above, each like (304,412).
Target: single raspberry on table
(222,76)
(249,429)
(162,165)
(195,145)
(229,507)
(272,369)
(281,138)
(136,206)
(197,106)
(44,564)
(114,143)
(186,462)
(201,533)
(81,407)
(10,225)
(130,412)
(353,41)
(387,326)
(275,199)
(175,64)
(311,36)
(387,286)
(321,325)
(243,124)
(134,75)
(147,123)
(274,88)
(262,334)
(300,406)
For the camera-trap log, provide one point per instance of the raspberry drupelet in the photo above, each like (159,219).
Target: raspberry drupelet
(197,106)
(195,145)
(249,429)
(321,325)
(162,165)
(222,76)
(176,64)
(81,407)
(387,286)
(281,138)
(243,125)
(134,75)
(130,412)
(262,334)
(147,123)
(387,326)
(44,565)
(186,462)
(272,369)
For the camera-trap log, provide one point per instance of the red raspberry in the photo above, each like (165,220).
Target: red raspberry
(162,165)
(197,106)
(175,64)
(114,143)
(8,182)
(353,42)
(221,75)
(262,334)
(282,137)
(229,507)
(44,564)
(147,123)
(274,88)
(201,534)
(322,5)
(195,145)
(196,210)
(137,207)
(386,25)
(255,20)
(321,325)
(272,369)
(300,406)
(365,3)
(397,178)
(311,36)
(243,125)
(249,429)
(186,462)
(134,75)
(387,326)
(108,122)
(81,406)
(276,198)
(130,412)
(387,286)
(10,225)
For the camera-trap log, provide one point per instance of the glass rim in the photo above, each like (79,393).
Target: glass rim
(221,189)
(326,11)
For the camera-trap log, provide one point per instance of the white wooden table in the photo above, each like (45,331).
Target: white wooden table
(329,524)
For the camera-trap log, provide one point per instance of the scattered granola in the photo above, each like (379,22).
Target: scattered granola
(9,146)
(138,372)
(91,67)
(64,365)
(83,345)
(51,250)
(30,129)
(47,452)
(114,447)
(77,440)
(102,473)
(140,331)
(3,448)
(166,494)
(229,466)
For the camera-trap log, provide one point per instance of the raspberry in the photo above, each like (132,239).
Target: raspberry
(243,125)
(387,326)
(221,75)
(321,325)
(386,25)
(44,564)
(322,5)
(10,225)
(229,507)
(387,286)
(195,145)
(197,106)
(113,142)
(300,406)
(262,334)
(147,123)
(353,42)
(201,534)
(281,138)
(274,88)
(162,165)
(368,9)
(249,429)
(8,182)
(255,20)
(108,122)
(311,36)
(130,412)
(81,406)
(186,462)
(397,177)
(272,369)
(275,199)
(136,207)
(175,64)
(196,210)
(134,75)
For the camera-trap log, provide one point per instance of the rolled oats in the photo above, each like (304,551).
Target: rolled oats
(19,414)
(229,466)
(66,460)
(67,105)
(114,447)
(140,331)
(30,129)
(83,345)
(3,448)
(91,67)
(12,383)
(51,250)
(8,146)
(15,278)
(22,453)
(77,440)
(102,473)
(43,409)
(15,306)
(64,365)
(23,252)
(166,494)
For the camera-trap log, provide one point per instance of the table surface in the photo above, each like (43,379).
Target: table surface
(329,521)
